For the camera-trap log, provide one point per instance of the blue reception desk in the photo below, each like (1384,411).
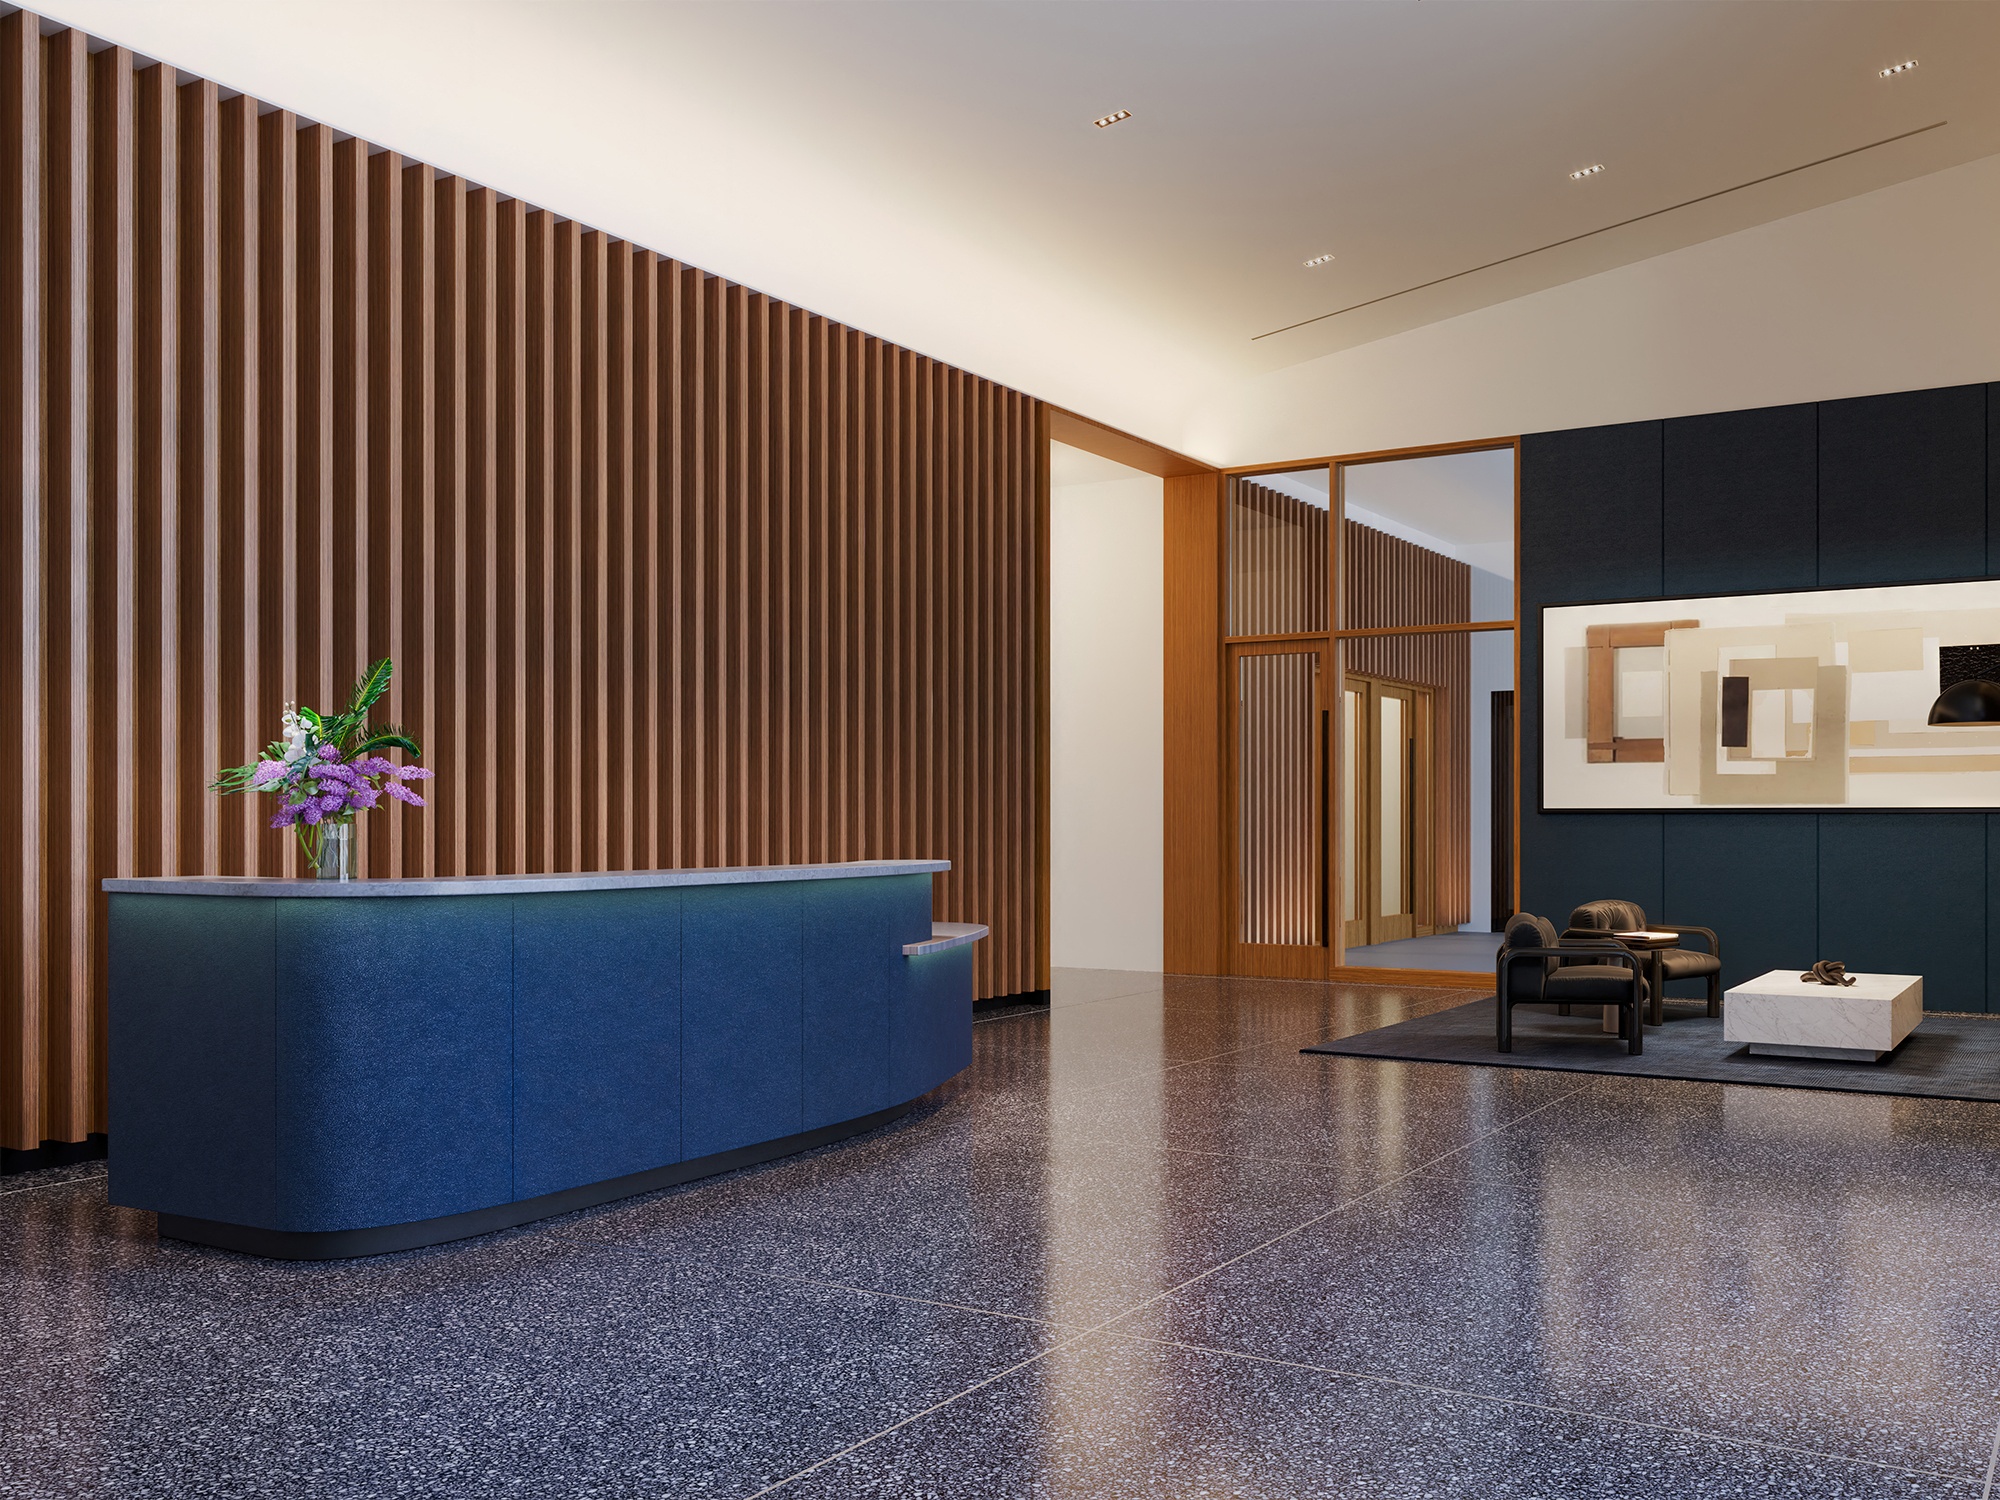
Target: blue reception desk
(311,1069)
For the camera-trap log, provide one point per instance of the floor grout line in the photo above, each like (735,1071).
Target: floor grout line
(1139,1307)
(1698,1433)
(869,1291)
(40,1187)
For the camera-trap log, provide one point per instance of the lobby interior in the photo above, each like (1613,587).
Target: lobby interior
(1138,718)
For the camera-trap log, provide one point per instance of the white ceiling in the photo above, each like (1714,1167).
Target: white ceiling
(929,171)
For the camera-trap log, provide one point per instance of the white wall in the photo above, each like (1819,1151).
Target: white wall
(1893,290)
(1106,737)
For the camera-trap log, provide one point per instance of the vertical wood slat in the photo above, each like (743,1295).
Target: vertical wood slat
(673,572)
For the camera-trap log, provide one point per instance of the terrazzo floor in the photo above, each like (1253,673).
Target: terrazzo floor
(1143,1248)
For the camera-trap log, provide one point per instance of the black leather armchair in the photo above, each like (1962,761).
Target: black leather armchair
(1594,919)
(1533,969)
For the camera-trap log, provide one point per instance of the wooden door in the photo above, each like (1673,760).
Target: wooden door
(1388,796)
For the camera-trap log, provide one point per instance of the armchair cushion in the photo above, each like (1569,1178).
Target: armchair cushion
(1609,916)
(1525,930)
(1684,963)
(1605,984)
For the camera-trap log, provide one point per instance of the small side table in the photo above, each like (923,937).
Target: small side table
(1781,1015)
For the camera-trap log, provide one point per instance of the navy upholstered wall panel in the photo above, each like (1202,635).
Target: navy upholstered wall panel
(1902,487)
(363,980)
(1754,878)
(597,1036)
(1590,529)
(1739,508)
(191,1055)
(1878,489)
(1993,478)
(1905,893)
(742,1014)
(1593,531)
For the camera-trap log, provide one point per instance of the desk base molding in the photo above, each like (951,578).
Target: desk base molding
(347,1244)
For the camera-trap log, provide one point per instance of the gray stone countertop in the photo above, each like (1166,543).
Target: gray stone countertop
(514,885)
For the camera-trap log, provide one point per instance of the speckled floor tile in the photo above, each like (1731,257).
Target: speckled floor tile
(532,1366)
(1652,1272)
(1815,1333)
(1081,986)
(1111,1420)
(1074,1235)
(1679,1142)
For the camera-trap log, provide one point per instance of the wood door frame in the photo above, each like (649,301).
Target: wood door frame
(1201,831)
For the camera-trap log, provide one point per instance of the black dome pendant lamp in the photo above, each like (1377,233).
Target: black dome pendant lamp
(1974,701)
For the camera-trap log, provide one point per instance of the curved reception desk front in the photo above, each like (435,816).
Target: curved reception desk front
(315,1069)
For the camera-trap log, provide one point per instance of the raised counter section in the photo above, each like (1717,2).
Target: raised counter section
(417,1061)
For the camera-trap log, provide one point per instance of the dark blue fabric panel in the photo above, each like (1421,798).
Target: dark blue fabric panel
(1742,501)
(1591,502)
(597,1036)
(394,1043)
(742,989)
(1754,878)
(191,997)
(1571,858)
(1902,487)
(1905,893)
(851,962)
(1993,479)
(1992,935)
(933,1021)
(1590,514)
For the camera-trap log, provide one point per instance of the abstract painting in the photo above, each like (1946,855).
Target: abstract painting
(1815,699)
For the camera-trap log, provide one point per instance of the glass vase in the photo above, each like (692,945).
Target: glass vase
(336,852)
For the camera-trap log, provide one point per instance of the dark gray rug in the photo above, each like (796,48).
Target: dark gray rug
(1947,1057)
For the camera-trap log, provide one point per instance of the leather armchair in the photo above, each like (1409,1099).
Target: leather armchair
(1534,969)
(1593,920)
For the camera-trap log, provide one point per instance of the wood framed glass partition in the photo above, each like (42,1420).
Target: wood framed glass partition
(1365,677)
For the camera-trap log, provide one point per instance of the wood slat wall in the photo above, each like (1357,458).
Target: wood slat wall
(1277,562)
(1387,581)
(1280,774)
(673,573)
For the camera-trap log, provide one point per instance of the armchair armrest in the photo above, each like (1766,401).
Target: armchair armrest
(1682,929)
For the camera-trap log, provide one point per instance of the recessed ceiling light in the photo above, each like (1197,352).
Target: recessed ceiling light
(1112,119)
(1901,67)
(1319,260)
(1583,172)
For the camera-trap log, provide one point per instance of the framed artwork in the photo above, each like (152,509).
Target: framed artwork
(1814,699)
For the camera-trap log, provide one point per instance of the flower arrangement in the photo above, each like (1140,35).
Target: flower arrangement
(327,767)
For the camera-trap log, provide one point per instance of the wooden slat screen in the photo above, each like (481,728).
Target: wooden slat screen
(1388,581)
(1277,562)
(674,574)
(1279,776)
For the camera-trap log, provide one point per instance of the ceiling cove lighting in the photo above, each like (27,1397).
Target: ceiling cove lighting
(1901,67)
(1318,260)
(1583,172)
(1102,121)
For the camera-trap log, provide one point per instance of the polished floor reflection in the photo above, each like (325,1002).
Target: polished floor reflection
(1143,1248)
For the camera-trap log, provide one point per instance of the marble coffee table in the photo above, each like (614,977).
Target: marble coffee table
(1781,1015)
